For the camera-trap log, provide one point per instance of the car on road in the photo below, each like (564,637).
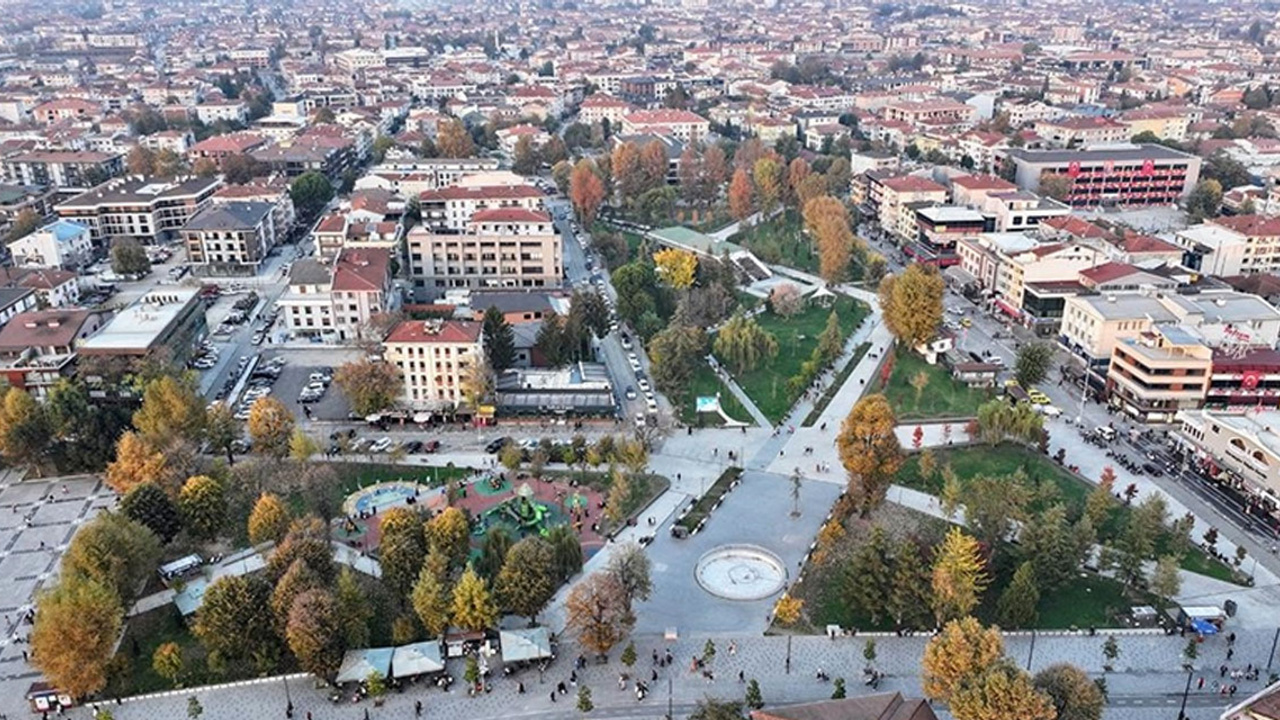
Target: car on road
(966,322)
(258,337)
(1048,410)
(431,446)
(382,444)
(1038,397)
(1152,470)
(631,393)
(413,447)
(496,445)
(640,421)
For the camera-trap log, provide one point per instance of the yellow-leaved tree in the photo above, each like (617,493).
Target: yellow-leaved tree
(963,650)
(911,304)
(677,268)
(473,606)
(959,576)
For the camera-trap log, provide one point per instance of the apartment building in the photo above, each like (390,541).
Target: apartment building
(1236,447)
(600,106)
(451,208)
(336,302)
(149,210)
(888,197)
(38,347)
(1120,175)
(1159,372)
(934,113)
(511,247)
(434,358)
(413,177)
(939,227)
(1077,131)
(69,171)
(680,124)
(230,238)
(164,322)
(1093,324)
(1232,245)
(221,147)
(61,244)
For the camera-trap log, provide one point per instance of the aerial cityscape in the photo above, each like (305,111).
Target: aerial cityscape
(797,360)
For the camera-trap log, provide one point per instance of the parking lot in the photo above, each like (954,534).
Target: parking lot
(294,377)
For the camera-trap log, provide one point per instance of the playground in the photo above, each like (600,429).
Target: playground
(523,505)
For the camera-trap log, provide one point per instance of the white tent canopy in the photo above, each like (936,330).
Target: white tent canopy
(523,645)
(357,665)
(416,659)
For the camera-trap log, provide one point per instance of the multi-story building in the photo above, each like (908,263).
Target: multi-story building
(680,124)
(220,147)
(600,106)
(337,302)
(1121,175)
(68,171)
(1233,245)
(451,208)
(1238,448)
(38,347)
(61,244)
(939,227)
(933,113)
(1159,372)
(434,358)
(330,155)
(500,248)
(411,178)
(230,238)
(164,322)
(888,198)
(149,210)
(1075,131)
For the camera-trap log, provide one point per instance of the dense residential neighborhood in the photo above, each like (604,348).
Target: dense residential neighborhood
(802,360)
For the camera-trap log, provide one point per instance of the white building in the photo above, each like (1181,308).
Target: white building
(61,244)
(434,358)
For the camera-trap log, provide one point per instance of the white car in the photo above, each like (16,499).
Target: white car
(640,421)
(643,384)
(653,405)
(380,445)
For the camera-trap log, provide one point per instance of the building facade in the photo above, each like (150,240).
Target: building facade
(1122,175)
(500,248)
(149,210)
(230,238)
(434,358)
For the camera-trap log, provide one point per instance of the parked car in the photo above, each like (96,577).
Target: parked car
(496,445)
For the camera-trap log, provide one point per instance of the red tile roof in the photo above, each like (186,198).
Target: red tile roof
(1076,227)
(983,182)
(484,192)
(43,328)
(1146,244)
(663,117)
(450,331)
(1107,272)
(912,184)
(1251,225)
(510,215)
(361,269)
(332,224)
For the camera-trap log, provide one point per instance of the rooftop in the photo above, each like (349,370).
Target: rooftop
(142,190)
(238,215)
(138,326)
(42,328)
(457,332)
(1115,153)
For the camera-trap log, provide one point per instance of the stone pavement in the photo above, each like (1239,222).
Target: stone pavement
(37,520)
(1149,675)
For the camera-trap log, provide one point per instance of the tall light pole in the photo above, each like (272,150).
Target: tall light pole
(1182,711)
(288,708)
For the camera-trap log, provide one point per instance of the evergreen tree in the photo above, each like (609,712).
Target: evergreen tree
(1017,605)
(499,340)
(869,579)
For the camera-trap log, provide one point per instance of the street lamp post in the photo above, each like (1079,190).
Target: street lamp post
(1182,711)
(1272,656)
(288,708)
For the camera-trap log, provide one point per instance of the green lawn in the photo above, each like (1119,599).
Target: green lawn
(349,477)
(941,398)
(1001,460)
(780,241)
(797,337)
(841,377)
(705,383)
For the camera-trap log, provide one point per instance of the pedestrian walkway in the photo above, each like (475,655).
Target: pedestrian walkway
(727,380)
(728,231)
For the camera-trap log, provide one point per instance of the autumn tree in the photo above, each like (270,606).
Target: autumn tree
(959,576)
(1056,186)
(234,622)
(653,166)
(743,345)
(473,607)
(525,159)
(911,304)
(150,506)
(315,634)
(767,174)
(298,579)
(171,407)
(115,551)
(308,540)
(167,662)
(1001,691)
(675,355)
(77,624)
(628,175)
(203,504)
(597,614)
(450,533)
(430,601)
(826,219)
(677,268)
(1075,696)
(869,450)
(586,192)
(741,203)
(797,172)
(24,429)
(269,520)
(630,568)
(963,650)
(525,584)
(270,426)
(401,549)
(715,171)
(354,609)
(136,463)
(370,386)
(453,140)
(26,222)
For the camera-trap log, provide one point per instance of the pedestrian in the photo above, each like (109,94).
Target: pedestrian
(1222,671)
(366,714)
(742,677)
(520,688)
(733,648)
(417,708)
(308,715)
(562,689)
(553,696)
(654,675)
(655,656)
(1200,684)
(1230,651)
